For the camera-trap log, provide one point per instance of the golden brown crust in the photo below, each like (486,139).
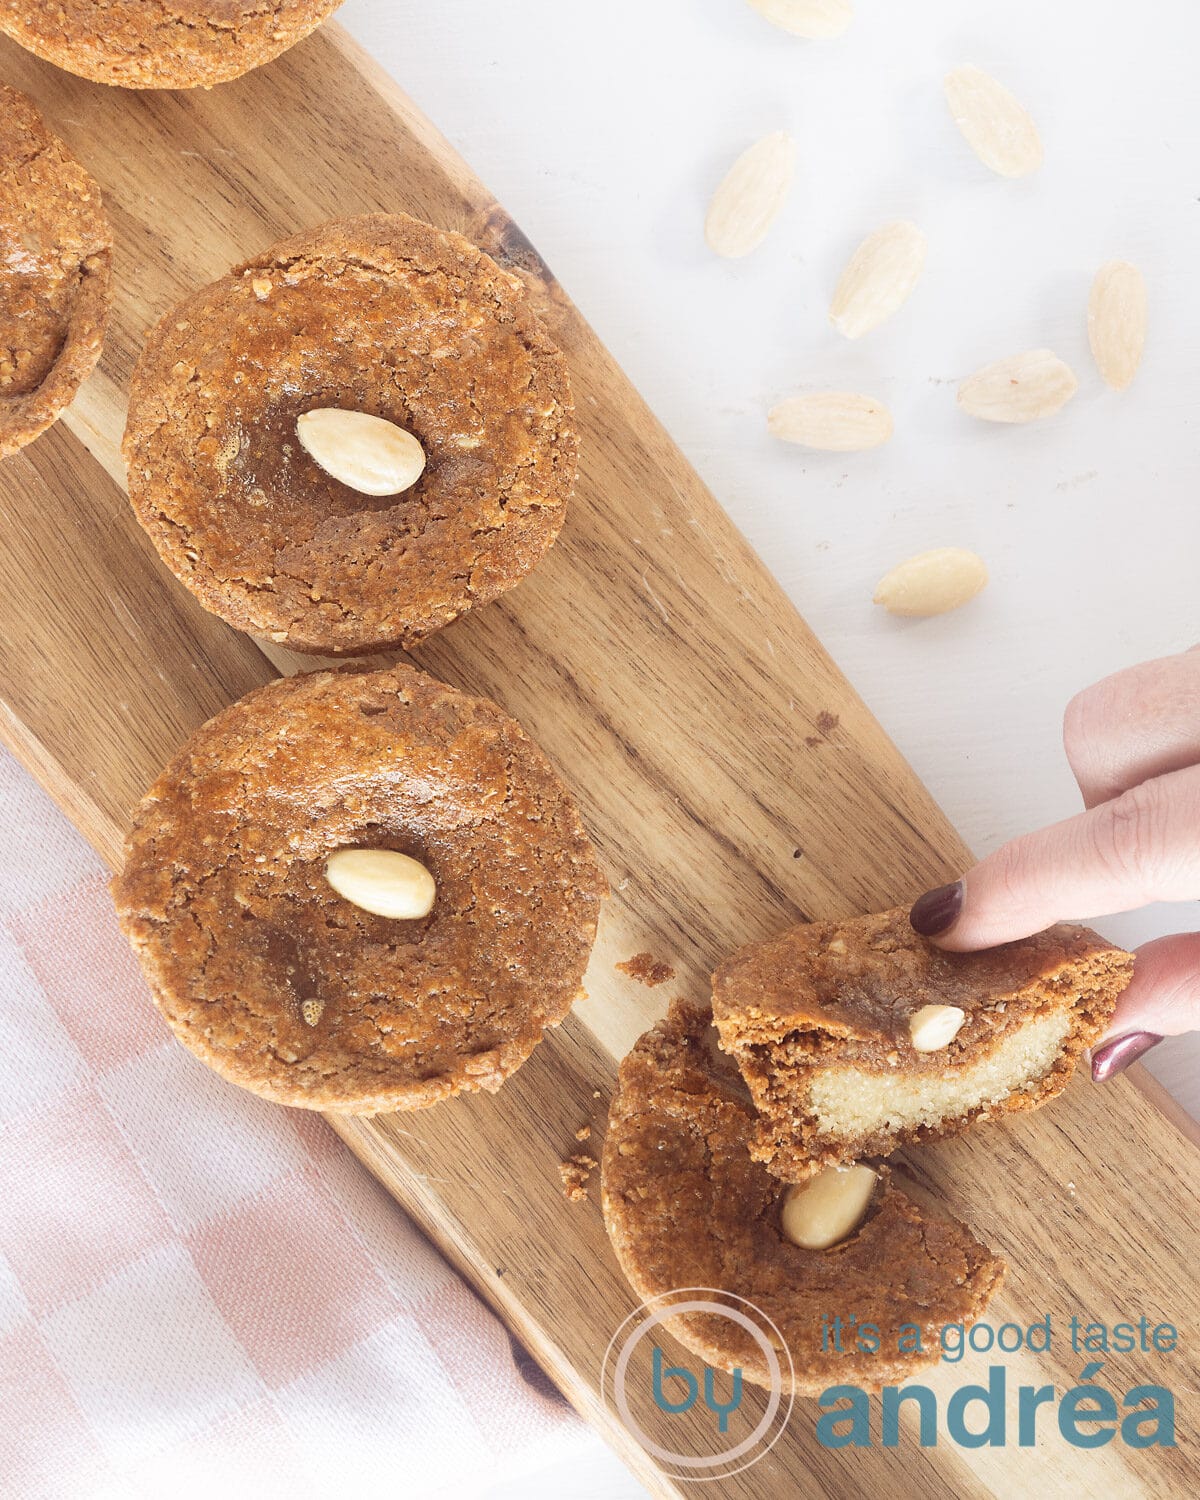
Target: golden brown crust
(161,44)
(686,1206)
(795,1004)
(381,314)
(225,901)
(55,273)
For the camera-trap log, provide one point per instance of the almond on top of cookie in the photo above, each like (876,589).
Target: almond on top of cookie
(361,891)
(354,438)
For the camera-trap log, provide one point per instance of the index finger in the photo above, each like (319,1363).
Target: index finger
(1142,846)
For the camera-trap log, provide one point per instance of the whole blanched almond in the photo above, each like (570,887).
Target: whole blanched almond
(370,454)
(934,1027)
(1021,388)
(837,421)
(1117,322)
(829,1207)
(932,583)
(752,192)
(818,19)
(383,882)
(879,279)
(996,127)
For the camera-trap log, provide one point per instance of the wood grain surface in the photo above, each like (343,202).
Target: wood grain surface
(730,777)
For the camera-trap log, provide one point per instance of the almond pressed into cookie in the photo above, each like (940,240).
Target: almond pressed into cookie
(380,315)
(281,976)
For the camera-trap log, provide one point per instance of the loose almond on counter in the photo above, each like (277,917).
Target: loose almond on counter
(836,421)
(879,278)
(1117,322)
(817,19)
(1020,388)
(932,583)
(995,126)
(752,192)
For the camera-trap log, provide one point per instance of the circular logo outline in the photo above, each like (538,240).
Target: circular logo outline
(660,1309)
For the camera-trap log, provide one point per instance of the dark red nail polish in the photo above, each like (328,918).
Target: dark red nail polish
(937,911)
(1115,1056)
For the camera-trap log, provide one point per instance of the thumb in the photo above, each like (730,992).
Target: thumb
(1164,995)
(1163,999)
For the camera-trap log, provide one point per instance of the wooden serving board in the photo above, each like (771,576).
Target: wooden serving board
(731,779)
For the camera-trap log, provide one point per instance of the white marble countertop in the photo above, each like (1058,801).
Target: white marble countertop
(603,129)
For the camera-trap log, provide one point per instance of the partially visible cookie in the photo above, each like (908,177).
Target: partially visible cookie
(686,1206)
(55,273)
(383,316)
(856,1037)
(289,980)
(161,44)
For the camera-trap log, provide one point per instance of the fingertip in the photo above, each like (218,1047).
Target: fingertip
(1111,1059)
(935,913)
(1163,995)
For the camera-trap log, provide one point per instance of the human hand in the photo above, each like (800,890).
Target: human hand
(1133,742)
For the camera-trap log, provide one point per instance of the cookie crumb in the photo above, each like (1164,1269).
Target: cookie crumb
(647,970)
(584,1133)
(575,1172)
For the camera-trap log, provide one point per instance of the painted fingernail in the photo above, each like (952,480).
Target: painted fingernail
(1115,1056)
(937,911)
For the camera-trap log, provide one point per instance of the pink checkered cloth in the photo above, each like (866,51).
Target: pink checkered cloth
(201,1293)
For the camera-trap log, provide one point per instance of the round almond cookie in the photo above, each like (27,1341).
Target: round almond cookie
(161,44)
(255,468)
(687,1207)
(55,273)
(261,864)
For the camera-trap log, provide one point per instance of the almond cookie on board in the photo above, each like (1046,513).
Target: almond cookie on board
(686,1205)
(55,273)
(161,44)
(253,462)
(856,1037)
(268,891)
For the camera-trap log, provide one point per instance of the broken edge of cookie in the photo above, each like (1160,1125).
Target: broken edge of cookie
(821,1022)
(686,1206)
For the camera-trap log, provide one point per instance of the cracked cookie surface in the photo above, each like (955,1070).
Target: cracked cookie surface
(55,273)
(284,987)
(685,1205)
(161,44)
(381,314)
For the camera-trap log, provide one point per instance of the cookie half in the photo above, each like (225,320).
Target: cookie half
(826,1025)
(686,1205)
(381,315)
(167,44)
(55,273)
(291,989)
